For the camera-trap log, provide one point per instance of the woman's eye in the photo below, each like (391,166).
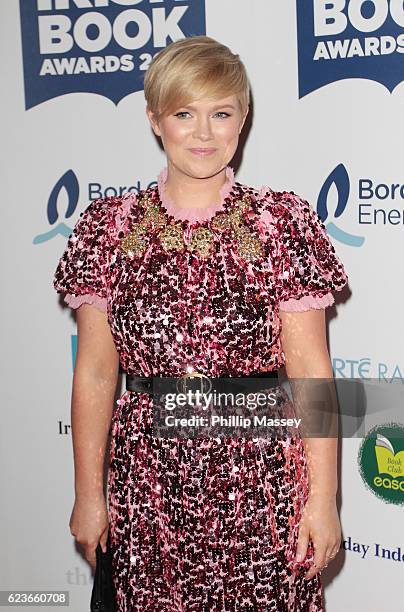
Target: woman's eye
(185,114)
(223,114)
(181,114)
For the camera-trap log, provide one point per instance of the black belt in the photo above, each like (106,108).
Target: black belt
(198,380)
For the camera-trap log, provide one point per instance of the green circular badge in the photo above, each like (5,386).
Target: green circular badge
(381,462)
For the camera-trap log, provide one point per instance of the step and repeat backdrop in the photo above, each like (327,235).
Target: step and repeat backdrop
(326,122)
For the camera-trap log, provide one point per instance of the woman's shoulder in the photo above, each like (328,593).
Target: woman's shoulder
(111,204)
(300,244)
(286,200)
(283,206)
(108,212)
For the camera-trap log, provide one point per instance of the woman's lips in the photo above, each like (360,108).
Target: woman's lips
(203,152)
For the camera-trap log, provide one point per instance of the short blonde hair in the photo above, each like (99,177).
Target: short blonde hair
(191,69)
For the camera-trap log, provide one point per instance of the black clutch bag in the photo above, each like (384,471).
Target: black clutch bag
(103,595)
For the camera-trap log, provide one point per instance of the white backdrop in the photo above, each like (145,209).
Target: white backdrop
(295,143)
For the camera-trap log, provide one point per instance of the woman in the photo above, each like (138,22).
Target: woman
(200,274)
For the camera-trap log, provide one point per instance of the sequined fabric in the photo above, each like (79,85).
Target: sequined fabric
(202,524)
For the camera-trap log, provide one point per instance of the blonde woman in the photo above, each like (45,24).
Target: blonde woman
(200,274)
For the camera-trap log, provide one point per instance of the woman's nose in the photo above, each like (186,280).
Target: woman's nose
(203,130)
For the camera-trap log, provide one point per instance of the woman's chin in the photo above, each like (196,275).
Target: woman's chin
(206,169)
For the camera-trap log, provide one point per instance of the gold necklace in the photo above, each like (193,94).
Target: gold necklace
(171,235)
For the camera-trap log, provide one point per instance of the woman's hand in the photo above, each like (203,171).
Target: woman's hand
(319,523)
(89,525)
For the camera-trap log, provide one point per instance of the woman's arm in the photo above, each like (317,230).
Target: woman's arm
(304,343)
(94,384)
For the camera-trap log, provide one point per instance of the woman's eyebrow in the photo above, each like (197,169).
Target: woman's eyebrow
(190,107)
(224,106)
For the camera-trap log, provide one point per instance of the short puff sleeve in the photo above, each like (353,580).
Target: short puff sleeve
(308,266)
(82,270)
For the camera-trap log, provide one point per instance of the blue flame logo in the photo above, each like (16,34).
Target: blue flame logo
(340,179)
(69,183)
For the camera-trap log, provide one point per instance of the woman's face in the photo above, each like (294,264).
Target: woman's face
(200,138)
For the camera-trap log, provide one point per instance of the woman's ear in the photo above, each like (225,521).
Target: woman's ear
(153,121)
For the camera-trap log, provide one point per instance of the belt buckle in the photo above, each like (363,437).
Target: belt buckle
(182,383)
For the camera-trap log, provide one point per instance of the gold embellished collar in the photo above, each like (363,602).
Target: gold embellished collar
(170,232)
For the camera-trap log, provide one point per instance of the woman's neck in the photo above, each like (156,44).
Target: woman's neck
(188,192)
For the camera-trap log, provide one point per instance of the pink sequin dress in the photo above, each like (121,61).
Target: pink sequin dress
(200,525)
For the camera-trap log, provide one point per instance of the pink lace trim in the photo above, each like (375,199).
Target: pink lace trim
(307,302)
(74,301)
(194,214)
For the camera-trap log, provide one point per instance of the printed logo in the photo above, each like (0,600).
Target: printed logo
(366,368)
(349,39)
(68,185)
(381,462)
(339,179)
(375,205)
(98,46)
